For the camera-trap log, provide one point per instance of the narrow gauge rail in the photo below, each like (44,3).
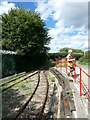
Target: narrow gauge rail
(67,105)
(12,76)
(4,89)
(13,79)
(27,108)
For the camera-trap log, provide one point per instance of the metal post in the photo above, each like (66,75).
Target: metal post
(75,71)
(57,62)
(66,67)
(80,82)
(61,64)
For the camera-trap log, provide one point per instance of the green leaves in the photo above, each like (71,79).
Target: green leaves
(24,32)
(74,50)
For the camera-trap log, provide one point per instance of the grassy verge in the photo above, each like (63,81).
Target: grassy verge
(85,60)
(84,63)
(52,79)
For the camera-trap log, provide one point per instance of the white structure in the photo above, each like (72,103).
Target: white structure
(7,52)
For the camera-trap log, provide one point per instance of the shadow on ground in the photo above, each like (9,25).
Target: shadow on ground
(11,101)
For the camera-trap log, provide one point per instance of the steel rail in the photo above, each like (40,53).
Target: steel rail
(24,106)
(66,98)
(39,114)
(3,84)
(18,81)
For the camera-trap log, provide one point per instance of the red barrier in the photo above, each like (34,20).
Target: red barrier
(66,67)
(86,91)
(82,86)
(83,71)
(60,65)
(80,82)
(75,70)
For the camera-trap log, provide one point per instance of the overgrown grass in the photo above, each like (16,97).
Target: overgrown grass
(29,93)
(84,61)
(52,79)
(24,85)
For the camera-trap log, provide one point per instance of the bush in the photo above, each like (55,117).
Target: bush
(85,59)
(63,55)
(77,56)
(12,64)
(57,55)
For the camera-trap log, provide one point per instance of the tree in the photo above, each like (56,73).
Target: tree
(77,53)
(86,58)
(74,50)
(64,49)
(24,32)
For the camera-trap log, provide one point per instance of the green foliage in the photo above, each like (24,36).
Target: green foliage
(63,55)
(74,50)
(85,59)
(77,53)
(50,63)
(53,55)
(64,49)
(52,79)
(57,55)
(77,56)
(8,65)
(12,64)
(24,32)
(0,44)
(0,29)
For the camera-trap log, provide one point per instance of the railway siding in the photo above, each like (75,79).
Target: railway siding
(44,94)
(17,81)
(14,97)
(6,80)
(51,108)
(36,106)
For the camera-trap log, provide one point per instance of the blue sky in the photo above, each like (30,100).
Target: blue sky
(32,6)
(67,21)
(26,5)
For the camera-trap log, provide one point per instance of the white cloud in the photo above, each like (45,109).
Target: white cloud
(68,37)
(59,23)
(43,9)
(75,14)
(71,22)
(5,7)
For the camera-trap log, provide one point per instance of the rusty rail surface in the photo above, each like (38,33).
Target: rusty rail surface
(4,89)
(67,102)
(39,114)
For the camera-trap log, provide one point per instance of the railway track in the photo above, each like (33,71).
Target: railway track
(23,77)
(13,79)
(67,105)
(43,103)
(15,97)
(34,106)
